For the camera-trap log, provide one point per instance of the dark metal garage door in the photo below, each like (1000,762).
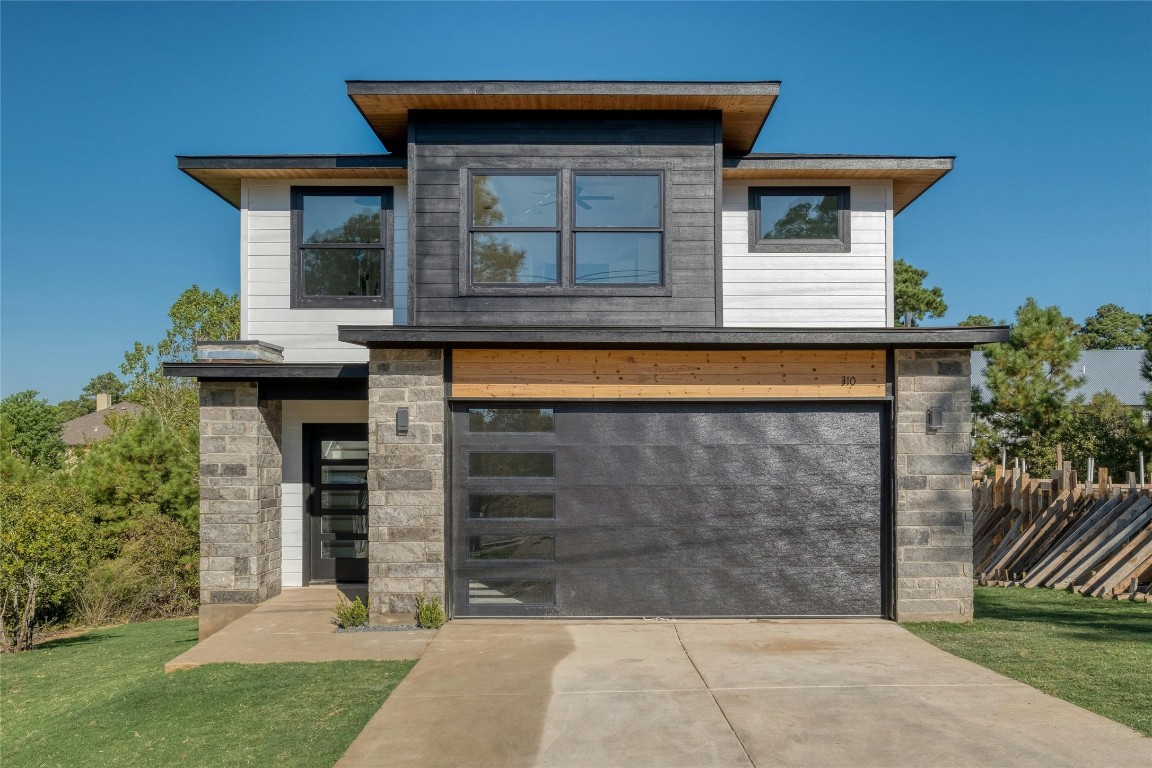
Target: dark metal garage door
(668,509)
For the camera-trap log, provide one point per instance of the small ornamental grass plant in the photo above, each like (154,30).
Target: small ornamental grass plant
(350,614)
(430,612)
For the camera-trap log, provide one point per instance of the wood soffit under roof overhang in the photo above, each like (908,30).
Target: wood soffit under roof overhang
(911,176)
(222,173)
(744,105)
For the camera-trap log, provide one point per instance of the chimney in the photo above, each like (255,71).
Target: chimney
(103,401)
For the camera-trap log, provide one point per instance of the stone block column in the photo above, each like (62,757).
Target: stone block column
(933,486)
(405,479)
(240,475)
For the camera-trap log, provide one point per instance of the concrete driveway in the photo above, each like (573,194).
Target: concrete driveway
(722,693)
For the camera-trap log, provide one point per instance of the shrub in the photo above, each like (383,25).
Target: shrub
(46,545)
(350,614)
(430,612)
(153,575)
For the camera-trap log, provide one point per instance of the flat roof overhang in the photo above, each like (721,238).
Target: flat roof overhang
(393,337)
(284,381)
(222,173)
(911,176)
(744,104)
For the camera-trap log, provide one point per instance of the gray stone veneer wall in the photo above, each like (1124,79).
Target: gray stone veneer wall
(240,475)
(405,479)
(933,487)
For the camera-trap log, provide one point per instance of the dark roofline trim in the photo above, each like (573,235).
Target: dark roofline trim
(287,162)
(561,87)
(657,337)
(266,371)
(780,161)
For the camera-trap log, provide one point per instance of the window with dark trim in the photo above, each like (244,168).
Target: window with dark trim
(564,231)
(799,220)
(341,247)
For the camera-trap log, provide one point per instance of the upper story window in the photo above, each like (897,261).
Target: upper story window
(565,231)
(341,246)
(799,220)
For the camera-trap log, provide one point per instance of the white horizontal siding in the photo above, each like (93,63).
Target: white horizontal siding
(307,335)
(819,290)
(296,414)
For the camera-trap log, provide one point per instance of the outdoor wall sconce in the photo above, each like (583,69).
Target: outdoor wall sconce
(401,421)
(935,417)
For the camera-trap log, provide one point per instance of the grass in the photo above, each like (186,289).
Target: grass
(1094,653)
(102,698)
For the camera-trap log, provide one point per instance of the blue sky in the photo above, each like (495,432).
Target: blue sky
(1048,107)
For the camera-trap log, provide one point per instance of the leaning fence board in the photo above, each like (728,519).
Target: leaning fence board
(1094,537)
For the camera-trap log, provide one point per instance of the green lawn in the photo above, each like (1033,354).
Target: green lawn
(102,699)
(1091,652)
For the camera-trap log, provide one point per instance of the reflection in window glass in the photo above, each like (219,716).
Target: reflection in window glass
(341,218)
(356,549)
(344,499)
(508,464)
(539,506)
(511,420)
(344,524)
(618,257)
(515,200)
(514,257)
(617,201)
(512,547)
(344,449)
(789,216)
(511,592)
(341,271)
(347,474)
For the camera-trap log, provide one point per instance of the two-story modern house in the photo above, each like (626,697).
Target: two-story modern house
(573,349)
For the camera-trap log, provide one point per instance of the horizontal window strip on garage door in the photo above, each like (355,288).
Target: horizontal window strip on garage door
(667,374)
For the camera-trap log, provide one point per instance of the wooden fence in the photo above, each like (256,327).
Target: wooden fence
(1094,538)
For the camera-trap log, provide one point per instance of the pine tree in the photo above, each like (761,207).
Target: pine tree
(911,297)
(1029,382)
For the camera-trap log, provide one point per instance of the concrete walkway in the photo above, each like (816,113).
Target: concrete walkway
(296,625)
(722,693)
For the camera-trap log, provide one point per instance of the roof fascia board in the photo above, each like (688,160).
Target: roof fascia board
(391,336)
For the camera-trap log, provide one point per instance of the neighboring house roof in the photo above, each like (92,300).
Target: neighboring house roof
(1112,370)
(91,428)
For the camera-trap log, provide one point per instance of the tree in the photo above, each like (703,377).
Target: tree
(1029,382)
(978,320)
(106,383)
(1113,327)
(1106,430)
(197,315)
(46,539)
(31,429)
(145,467)
(911,297)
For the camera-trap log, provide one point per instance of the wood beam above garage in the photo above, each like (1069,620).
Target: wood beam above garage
(544,374)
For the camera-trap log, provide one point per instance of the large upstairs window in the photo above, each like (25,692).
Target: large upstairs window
(341,254)
(571,232)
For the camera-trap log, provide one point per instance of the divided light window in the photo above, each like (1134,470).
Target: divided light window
(799,220)
(566,230)
(341,255)
(515,229)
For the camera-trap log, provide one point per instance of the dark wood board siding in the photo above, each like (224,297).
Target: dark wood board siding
(681,145)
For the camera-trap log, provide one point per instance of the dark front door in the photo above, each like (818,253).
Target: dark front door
(338,503)
(674,509)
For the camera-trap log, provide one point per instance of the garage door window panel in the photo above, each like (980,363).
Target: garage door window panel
(512,464)
(511,506)
(512,420)
(505,547)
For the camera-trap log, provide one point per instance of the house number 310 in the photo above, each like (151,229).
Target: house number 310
(847,381)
